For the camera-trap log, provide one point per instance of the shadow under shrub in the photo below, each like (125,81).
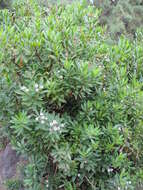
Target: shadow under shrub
(72,103)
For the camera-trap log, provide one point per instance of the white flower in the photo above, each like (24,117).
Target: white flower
(42,121)
(110,170)
(55,128)
(58,128)
(129,182)
(119,188)
(36,85)
(55,122)
(78,175)
(51,124)
(22,87)
(62,125)
(41,114)
(42,117)
(37,119)
(37,89)
(61,77)
(41,86)
(47,183)
(26,90)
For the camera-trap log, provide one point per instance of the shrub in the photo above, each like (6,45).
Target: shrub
(13,184)
(72,102)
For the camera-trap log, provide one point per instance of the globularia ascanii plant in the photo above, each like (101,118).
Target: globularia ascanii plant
(69,101)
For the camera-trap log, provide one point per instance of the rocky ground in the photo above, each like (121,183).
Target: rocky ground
(9,162)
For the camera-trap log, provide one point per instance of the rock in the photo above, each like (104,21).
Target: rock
(9,160)
(8,163)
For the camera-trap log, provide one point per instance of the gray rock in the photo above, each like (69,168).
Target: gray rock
(8,163)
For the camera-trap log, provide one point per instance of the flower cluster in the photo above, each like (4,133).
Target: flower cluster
(38,87)
(24,88)
(55,126)
(47,183)
(42,118)
(128,183)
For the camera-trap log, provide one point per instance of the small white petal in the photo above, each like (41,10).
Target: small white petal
(42,117)
(36,85)
(62,125)
(51,124)
(55,128)
(55,122)
(42,121)
(26,90)
(37,119)
(110,170)
(41,86)
(22,87)
(58,128)
(37,89)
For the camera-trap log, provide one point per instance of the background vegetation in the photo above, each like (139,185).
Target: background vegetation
(70,101)
(120,16)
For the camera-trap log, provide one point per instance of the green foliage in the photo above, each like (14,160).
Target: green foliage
(13,184)
(72,102)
